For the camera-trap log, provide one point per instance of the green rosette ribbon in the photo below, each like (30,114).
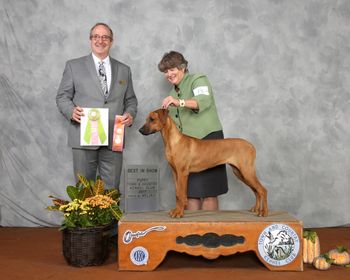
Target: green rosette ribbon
(94,115)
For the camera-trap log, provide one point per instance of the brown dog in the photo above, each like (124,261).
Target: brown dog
(187,155)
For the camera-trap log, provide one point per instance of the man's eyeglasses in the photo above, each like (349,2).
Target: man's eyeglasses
(98,37)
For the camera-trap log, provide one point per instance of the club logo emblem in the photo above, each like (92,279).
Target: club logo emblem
(139,256)
(278,244)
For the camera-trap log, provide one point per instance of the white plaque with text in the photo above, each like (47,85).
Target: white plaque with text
(141,188)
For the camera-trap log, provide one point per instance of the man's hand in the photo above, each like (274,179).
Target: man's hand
(127,119)
(77,114)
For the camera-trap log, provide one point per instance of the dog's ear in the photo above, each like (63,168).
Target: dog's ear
(163,115)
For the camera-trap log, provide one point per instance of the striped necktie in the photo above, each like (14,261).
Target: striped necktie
(103,78)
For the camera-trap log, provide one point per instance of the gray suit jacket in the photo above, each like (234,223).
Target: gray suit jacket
(80,86)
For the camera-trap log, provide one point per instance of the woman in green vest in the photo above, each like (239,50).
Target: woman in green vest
(191,105)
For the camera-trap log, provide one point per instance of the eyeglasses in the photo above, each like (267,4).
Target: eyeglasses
(103,37)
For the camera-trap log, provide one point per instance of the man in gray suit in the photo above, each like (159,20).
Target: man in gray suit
(97,81)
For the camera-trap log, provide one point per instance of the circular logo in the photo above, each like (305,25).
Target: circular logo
(278,244)
(139,255)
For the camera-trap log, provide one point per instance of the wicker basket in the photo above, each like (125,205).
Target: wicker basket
(86,246)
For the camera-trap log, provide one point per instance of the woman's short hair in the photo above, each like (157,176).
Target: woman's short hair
(172,59)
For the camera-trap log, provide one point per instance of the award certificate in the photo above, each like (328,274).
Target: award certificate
(94,127)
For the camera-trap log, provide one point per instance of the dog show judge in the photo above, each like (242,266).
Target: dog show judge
(192,106)
(97,81)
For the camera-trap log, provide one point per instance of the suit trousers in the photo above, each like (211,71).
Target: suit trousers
(103,162)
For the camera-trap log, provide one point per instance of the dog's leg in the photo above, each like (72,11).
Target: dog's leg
(265,210)
(181,195)
(261,194)
(255,208)
(248,176)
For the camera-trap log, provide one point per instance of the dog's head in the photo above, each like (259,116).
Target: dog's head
(154,122)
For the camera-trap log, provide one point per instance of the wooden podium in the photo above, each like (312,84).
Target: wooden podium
(145,238)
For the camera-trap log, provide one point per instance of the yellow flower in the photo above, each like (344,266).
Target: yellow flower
(71,206)
(85,206)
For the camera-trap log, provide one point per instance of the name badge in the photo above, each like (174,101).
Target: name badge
(201,90)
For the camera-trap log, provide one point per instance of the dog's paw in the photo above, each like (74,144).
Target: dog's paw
(263,213)
(254,209)
(176,213)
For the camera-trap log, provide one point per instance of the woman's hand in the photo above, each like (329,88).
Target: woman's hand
(170,101)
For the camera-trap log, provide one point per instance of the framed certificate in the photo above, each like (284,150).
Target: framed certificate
(94,127)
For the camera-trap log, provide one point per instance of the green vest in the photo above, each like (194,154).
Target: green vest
(196,123)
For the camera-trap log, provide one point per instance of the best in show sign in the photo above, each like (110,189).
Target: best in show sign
(141,188)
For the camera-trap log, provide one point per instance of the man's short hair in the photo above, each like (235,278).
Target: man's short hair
(105,25)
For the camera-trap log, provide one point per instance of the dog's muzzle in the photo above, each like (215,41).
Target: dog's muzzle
(145,130)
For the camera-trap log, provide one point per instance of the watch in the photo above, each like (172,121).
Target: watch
(182,102)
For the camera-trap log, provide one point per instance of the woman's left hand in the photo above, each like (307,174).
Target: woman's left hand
(170,101)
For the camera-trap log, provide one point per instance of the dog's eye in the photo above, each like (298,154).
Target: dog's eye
(151,119)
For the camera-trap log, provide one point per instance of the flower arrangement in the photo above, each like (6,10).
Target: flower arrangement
(90,206)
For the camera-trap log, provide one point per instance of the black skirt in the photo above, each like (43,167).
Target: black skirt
(210,182)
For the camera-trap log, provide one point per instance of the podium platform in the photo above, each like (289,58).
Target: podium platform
(145,238)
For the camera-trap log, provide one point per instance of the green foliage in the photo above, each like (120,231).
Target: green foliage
(84,193)
(310,235)
(96,217)
(91,205)
(327,258)
(98,187)
(73,192)
(341,249)
(83,181)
